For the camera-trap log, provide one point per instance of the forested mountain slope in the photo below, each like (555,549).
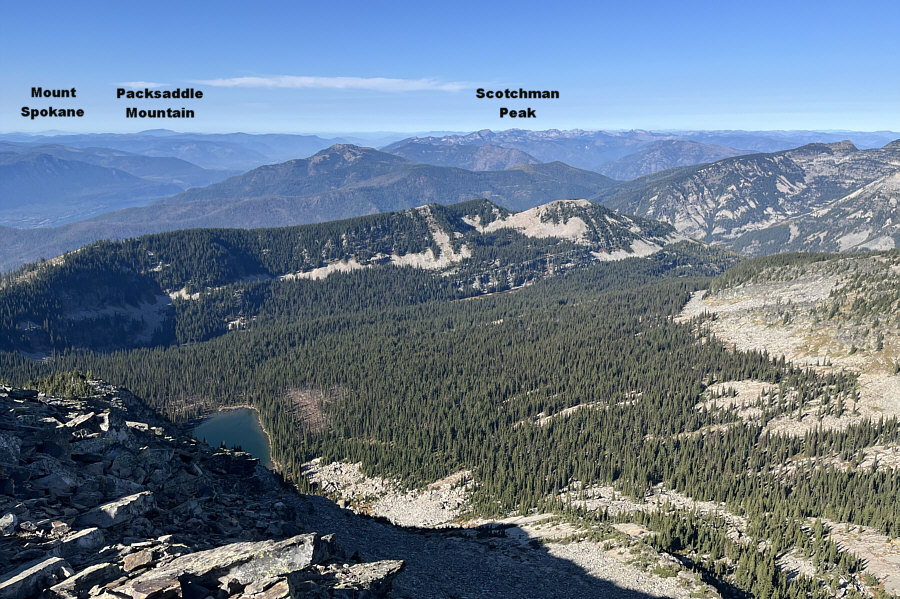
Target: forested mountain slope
(139,292)
(516,348)
(834,313)
(471,157)
(663,155)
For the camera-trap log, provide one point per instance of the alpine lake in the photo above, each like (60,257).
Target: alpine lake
(239,427)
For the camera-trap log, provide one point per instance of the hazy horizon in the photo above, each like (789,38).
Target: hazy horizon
(53,133)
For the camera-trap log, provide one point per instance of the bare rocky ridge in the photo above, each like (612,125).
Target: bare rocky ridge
(439,505)
(607,236)
(585,226)
(882,554)
(864,219)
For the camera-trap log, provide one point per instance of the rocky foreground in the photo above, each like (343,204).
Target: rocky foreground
(99,498)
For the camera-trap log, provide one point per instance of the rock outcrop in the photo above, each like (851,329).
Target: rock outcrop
(99,497)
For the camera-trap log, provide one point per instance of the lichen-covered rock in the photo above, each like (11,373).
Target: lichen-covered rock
(10,447)
(138,560)
(84,421)
(229,567)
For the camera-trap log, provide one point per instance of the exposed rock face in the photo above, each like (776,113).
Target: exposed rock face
(864,219)
(250,567)
(100,498)
(819,197)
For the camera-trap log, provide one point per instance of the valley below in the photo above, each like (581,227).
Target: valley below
(662,482)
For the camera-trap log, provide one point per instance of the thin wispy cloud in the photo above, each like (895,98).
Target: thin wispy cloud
(140,84)
(381,84)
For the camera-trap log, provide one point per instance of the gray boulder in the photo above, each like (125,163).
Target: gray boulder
(34,577)
(10,448)
(82,582)
(56,483)
(117,512)
(81,541)
(8,524)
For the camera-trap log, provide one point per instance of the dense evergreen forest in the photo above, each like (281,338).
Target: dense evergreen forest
(420,375)
(140,292)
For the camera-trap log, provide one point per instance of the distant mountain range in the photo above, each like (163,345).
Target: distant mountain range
(596,150)
(51,184)
(620,157)
(163,169)
(221,151)
(347,180)
(41,189)
(819,197)
(582,149)
(340,182)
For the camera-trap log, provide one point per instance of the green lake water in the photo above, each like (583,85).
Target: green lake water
(236,428)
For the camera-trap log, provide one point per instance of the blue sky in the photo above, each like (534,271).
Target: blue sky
(413,66)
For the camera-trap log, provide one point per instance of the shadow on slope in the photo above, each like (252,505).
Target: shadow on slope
(441,563)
